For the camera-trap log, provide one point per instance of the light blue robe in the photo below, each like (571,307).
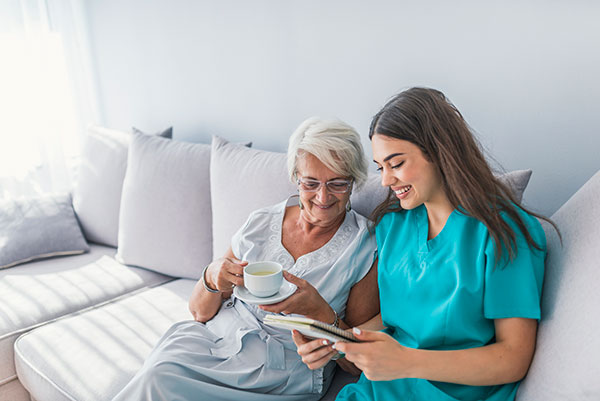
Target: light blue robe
(235,356)
(444,294)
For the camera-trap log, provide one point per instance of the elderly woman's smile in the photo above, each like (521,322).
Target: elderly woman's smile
(322,207)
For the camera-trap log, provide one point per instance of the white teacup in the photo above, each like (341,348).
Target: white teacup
(263,279)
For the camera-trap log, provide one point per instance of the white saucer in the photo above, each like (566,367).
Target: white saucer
(285,291)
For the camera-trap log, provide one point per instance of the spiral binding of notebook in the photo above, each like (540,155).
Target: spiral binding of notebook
(309,327)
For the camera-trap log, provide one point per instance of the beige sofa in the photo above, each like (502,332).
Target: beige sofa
(79,327)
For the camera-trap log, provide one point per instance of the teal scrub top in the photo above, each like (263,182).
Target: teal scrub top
(444,294)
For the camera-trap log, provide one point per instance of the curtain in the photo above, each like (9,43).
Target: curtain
(46,95)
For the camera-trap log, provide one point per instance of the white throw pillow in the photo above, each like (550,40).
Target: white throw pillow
(165,219)
(241,181)
(97,193)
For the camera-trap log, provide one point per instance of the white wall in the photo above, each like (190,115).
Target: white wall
(524,73)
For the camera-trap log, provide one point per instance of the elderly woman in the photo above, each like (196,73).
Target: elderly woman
(227,353)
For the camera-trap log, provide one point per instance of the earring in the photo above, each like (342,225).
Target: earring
(300,205)
(348,206)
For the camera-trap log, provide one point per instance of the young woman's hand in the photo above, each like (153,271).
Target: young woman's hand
(379,356)
(305,301)
(315,353)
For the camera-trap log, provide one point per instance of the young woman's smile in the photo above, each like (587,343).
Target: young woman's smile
(406,170)
(402,192)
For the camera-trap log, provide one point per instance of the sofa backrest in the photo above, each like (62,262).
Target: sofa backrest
(243,180)
(566,364)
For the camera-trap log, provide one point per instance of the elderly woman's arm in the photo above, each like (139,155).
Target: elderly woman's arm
(308,302)
(220,275)
(363,301)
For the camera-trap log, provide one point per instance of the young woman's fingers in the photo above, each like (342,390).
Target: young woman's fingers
(348,348)
(319,363)
(369,335)
(318,355)
(312,346)
(298,338)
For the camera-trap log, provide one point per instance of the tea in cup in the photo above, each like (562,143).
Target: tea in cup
(263,279)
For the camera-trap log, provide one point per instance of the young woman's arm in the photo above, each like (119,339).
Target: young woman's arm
(362,306)
(505,361)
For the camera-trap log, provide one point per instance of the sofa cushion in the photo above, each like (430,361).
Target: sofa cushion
(97,193)
(36,293)
(167,133)
(35,228)
(58,363)
(243,180)
(565,364)
(165,220)
(92,356)
(365,199)
(14,391)
(516,180)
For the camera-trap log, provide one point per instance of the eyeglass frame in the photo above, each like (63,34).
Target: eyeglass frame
(338,180)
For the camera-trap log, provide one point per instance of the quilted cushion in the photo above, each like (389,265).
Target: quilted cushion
(35,293)
(92,356)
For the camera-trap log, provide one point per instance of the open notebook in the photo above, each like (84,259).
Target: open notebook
(310,328)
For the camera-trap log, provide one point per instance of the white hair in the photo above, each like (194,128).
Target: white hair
(334,143)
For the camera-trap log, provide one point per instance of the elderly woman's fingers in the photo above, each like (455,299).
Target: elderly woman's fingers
(229,273)
(233,267)
(233,279)
(285,306)
(300,283)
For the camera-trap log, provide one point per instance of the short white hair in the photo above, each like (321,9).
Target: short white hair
(335,143)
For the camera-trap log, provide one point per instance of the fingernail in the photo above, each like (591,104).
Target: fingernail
(325,342)
(356,330)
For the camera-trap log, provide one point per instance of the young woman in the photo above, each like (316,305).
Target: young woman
(461,265)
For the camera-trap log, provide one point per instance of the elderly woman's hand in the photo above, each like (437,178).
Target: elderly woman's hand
(225,273)
(305,301)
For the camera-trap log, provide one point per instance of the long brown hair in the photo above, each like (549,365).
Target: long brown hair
(427,119)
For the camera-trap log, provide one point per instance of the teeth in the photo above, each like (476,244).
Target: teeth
(403,190)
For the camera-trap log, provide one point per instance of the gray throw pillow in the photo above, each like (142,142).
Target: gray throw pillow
(35,228)
(97,193)
(516,180)
(167,133)
(364,200)
(165,218)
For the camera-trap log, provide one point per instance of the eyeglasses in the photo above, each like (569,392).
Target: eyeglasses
(333,186)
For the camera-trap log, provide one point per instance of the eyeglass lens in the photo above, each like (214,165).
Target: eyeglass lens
(335,186)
